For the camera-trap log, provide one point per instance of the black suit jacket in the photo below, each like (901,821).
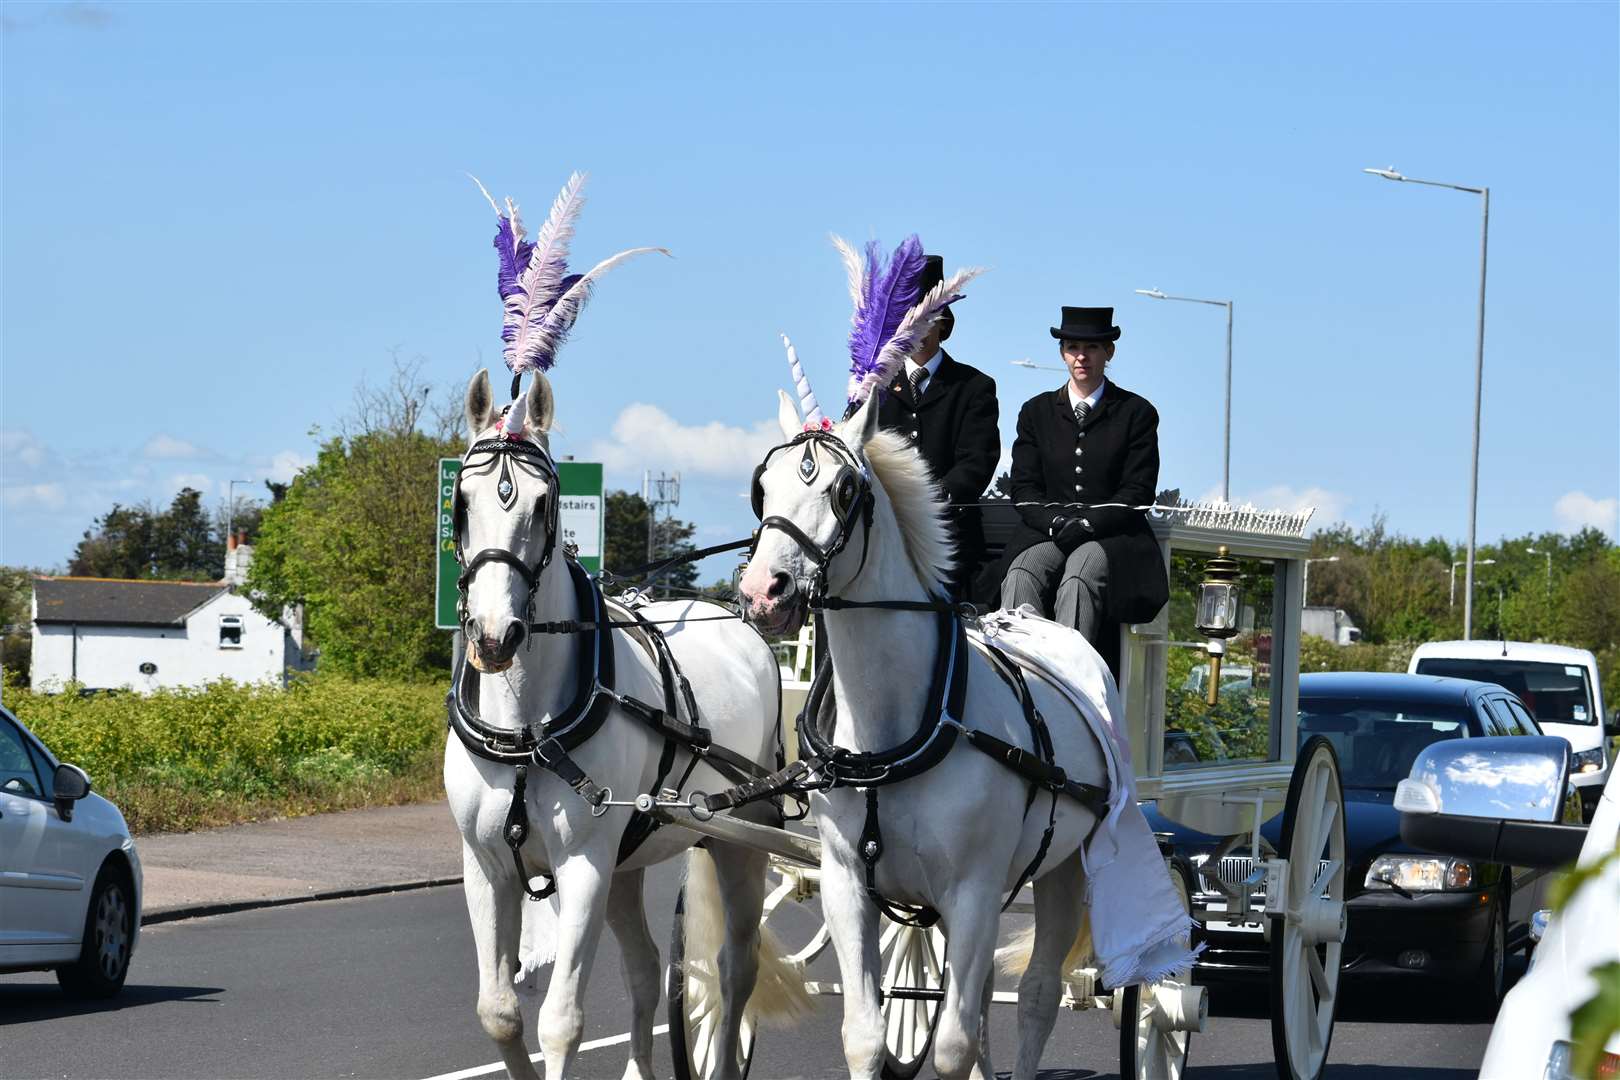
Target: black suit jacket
(955,428)
(1112,458)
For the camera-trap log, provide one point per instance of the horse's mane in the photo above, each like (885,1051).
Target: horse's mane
(918,506)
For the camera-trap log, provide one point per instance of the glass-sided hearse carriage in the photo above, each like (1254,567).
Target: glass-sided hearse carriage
(1210,690)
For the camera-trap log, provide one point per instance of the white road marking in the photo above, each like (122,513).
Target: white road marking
(495,1067)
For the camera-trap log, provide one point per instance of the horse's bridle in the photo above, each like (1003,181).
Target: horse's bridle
(506,490)
(851,497)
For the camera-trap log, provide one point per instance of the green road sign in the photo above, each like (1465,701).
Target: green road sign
(581,513)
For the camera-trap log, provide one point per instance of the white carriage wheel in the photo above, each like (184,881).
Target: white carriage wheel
(1146,1050)
(1307,936)
(694,1015)
(913,963)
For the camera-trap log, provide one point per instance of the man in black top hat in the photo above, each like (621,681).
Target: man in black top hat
(1086,455)
(949,411)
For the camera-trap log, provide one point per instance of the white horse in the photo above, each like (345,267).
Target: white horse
(956,838)
(506,521)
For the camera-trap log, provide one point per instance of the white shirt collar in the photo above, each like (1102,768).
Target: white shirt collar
(932,367)
(1091,399)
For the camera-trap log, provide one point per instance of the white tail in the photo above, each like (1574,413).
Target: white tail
(779,995)
(1013,957)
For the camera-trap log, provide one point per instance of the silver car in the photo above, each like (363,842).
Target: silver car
(70,881)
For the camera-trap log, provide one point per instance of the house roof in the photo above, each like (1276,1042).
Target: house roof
(114,602)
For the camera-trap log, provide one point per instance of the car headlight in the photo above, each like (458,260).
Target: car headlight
(1420,873)
(1587,761)
(1561,1063)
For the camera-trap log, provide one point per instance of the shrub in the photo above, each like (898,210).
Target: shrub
(231,752)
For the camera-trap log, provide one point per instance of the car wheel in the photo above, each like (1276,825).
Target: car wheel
(1488,983)
(109,931)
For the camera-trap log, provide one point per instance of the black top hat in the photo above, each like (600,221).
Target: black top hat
(1087,324)
(933,272)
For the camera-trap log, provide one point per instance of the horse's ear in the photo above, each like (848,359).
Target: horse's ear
(861,426)
(787,415)
(478,405)
(542,406)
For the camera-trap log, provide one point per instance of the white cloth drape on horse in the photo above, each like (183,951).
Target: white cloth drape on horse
(1139,927)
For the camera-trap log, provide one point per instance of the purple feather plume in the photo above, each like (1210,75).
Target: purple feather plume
(887,293)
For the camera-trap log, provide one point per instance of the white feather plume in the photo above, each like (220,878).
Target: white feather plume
(913,328)
(548,334)
(527,309)
(801,384)
(854,266)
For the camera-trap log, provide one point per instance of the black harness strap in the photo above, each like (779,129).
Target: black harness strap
(516,831)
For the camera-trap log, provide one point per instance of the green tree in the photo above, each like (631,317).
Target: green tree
(626,533)
(353,537)
(16,618)
(142,542)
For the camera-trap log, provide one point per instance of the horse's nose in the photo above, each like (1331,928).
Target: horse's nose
(499,650)
(781,586)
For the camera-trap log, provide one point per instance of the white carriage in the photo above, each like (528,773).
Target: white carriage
(1223,772)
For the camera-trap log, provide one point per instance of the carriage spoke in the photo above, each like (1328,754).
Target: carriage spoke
(1318,976)
(1324,830)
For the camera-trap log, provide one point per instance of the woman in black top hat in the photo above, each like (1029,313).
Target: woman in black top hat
(1087,454)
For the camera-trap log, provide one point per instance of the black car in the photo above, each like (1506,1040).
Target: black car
(1410,913)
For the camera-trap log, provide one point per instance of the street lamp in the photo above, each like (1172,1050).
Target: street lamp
(1479,371)
(1033,366)
(1548,554)
(1226,461)
(1469,584)
(1305,584)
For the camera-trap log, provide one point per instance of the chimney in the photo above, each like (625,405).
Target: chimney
(230,542)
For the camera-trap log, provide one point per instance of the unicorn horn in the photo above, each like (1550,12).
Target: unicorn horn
(516,418)
(801,384)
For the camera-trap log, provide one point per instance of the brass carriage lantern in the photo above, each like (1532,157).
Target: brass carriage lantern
(1220,601)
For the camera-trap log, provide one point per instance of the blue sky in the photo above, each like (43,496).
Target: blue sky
(219,218)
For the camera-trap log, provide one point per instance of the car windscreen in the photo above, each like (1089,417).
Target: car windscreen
(1377,741)
(1554,693)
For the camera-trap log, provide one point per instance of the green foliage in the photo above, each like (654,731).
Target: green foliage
(178,758)
(626,533)
(353,539)
(1596,1020)
(144,542)
(16,615)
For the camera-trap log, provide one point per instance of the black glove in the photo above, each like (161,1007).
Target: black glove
(1069,533)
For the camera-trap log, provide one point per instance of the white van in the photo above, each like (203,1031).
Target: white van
(1559,685)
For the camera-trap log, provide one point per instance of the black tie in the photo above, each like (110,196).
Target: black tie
(917,379)
(1081,408)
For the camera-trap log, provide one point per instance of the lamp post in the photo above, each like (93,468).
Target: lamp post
(1479,371)
(1226,459)
(1548,554)
(1469,584)
(1305,583)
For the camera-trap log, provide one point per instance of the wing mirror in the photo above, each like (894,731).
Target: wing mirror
(1498,799)
(69,784)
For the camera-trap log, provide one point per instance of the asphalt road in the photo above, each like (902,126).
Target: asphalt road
(384,987)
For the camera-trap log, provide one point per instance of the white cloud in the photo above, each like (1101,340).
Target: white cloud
(647,436)
(20,447)
(1577,510)
(48,496)
(201,481)
(167,447)
(1329,505)
(285,465)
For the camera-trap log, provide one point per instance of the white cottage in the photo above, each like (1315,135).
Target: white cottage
(149,635)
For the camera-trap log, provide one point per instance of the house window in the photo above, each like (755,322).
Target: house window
(230,631)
